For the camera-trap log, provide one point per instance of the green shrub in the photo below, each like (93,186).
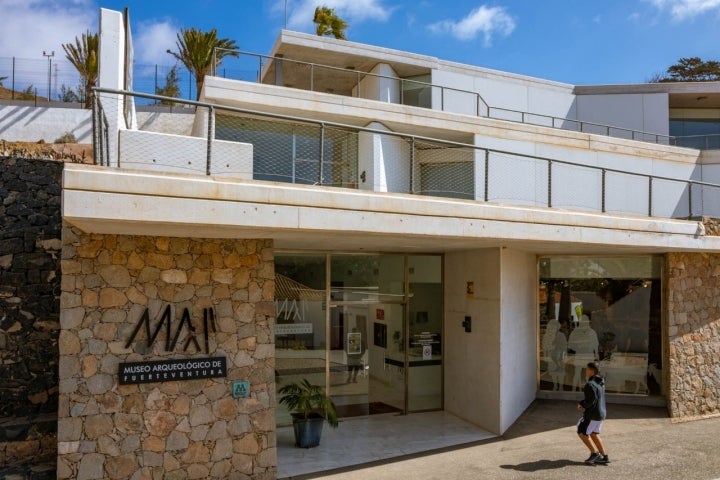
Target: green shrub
(68,137)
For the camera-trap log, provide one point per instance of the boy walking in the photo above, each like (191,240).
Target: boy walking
(593,408)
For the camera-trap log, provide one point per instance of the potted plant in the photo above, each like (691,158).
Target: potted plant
(309,407)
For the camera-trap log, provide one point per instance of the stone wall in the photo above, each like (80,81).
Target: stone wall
(173,429)
(29,309)
(712,226)
(693,334)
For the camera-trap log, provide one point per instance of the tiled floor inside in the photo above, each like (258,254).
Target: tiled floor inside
(377,437)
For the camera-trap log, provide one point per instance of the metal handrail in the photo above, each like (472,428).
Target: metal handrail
(358,73)
(690,184)
(678,141)
(634,134)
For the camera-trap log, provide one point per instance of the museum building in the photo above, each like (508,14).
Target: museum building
(411,234)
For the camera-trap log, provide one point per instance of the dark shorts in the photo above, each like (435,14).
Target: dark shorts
(586,427)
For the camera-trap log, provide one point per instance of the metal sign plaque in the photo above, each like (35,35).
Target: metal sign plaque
(170,370)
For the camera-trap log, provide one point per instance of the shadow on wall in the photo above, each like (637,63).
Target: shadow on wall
(32,124)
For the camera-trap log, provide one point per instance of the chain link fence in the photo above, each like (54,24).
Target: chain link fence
(56,79)
(287,151)
(53,78)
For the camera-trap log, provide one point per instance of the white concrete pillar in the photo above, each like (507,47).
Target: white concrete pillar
(382,85)
(111,74)
(384,161)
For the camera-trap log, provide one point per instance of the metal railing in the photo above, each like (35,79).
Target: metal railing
(101,132)
(27,81)
(479,106)
(264,63)
(578,125)
(306,151)
(699,142)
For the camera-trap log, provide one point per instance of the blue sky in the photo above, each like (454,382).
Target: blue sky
(577,42)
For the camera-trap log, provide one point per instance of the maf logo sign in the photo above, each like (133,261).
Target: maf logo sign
(172,336)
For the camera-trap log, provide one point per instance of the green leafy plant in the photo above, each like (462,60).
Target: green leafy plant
(306,400)
(171,88)
(83,55)
(28,94)
(68,95)
(196,50)
(329,23)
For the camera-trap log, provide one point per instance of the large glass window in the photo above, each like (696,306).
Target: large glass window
(417,91)
(604,309)
(374,342)
(300,306)
(700,134)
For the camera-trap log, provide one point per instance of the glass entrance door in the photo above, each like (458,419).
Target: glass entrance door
(367,372)
(425,339)
(365,327)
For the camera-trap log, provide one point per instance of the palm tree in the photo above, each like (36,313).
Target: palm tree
(328,23)
(195,51)
(84,57)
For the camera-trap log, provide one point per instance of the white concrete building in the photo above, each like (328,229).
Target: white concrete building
(446,213)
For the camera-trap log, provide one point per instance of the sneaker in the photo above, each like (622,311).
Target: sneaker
(603,459)
(593,458)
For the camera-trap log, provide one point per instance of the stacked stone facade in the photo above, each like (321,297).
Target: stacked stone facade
(173,429)
(30,227)
(693,332)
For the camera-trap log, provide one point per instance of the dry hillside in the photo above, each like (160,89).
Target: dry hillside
(66,152)
(7,94)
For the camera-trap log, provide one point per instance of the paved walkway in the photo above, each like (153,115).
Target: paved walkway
(642,443)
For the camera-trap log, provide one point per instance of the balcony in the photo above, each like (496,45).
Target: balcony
(240,144)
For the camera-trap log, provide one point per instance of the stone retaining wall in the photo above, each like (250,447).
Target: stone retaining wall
(693,333)
(29,309)
(174,429)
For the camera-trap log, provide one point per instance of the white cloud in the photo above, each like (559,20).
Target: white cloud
(152,40)
(686,9)
(300,12)
(30,27)
(487,21)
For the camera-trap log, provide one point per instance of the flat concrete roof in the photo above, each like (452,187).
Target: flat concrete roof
(680,94)
(348,57)
(336,219)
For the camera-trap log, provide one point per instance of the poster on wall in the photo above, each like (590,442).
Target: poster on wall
(354,345)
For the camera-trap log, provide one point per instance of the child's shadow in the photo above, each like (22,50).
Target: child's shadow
(541,465)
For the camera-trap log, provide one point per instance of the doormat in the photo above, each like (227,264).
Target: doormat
(362,409)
